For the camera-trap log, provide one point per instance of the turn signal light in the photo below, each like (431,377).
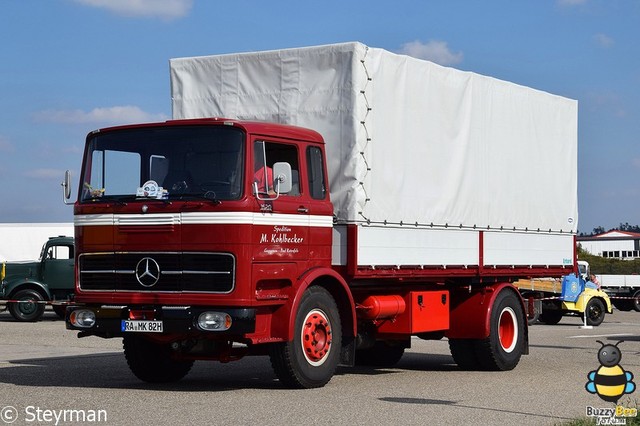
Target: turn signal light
(214,321)
(82,318)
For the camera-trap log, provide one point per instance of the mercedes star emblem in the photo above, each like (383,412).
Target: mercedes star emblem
(147,272)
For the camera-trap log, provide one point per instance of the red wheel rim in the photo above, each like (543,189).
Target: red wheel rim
(316,337)
(508,329)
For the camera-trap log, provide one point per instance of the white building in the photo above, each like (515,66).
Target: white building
(613,244)
(23,241)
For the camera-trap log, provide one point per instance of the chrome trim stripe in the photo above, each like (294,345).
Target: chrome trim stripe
(196,218)
(153,219)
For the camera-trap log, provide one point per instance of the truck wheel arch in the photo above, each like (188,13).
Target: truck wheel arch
(334,284)
(31,285)
(498,342)
(479,304)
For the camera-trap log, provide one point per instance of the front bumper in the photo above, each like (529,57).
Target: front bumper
(175,320)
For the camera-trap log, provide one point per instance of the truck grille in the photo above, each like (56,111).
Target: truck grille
(155,272)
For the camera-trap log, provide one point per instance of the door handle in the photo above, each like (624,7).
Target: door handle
(303,209)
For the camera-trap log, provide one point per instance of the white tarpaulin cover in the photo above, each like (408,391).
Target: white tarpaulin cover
(408,141)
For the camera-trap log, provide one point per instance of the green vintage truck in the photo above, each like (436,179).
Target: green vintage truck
(27,287)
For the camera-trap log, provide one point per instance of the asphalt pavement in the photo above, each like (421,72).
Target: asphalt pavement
(49,376)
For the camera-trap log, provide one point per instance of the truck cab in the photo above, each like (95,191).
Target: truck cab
(29,286)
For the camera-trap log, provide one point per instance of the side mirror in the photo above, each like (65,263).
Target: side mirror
(282,177)
(66,187)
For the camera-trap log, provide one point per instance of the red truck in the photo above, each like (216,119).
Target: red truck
(407,211)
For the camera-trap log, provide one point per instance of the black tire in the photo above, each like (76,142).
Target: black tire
(635,303)
(151,362)
(464,353)
(30,309)
(383,354)
(311,358)
(551,316)
(595,312)
(502,350)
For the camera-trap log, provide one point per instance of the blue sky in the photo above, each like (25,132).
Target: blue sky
(70,66)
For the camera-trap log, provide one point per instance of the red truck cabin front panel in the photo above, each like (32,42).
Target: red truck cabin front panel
(168,215)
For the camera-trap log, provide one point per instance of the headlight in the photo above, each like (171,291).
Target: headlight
(214,321)
(82,318)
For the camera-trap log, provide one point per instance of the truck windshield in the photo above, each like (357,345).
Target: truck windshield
(164,162)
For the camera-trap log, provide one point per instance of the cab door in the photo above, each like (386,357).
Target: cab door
(57,267)
(281,222)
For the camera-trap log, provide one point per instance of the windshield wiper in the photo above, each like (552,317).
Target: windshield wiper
(207,196)
(108,199)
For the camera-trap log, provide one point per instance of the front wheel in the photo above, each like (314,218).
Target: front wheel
(595,312)
(29,306)
(152,362)
(311,358)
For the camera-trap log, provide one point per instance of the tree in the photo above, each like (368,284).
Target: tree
(628,228)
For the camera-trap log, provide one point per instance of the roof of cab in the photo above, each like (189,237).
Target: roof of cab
(253,127)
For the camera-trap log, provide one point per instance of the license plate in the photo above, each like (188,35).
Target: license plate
(141,326)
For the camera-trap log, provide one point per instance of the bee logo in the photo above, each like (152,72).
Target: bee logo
(610,381)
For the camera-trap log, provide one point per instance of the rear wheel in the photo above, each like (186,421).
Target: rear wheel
(28,307)
(506,342)
(152,362)
(505,345)
(311,358)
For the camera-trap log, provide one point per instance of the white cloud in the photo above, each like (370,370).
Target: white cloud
(110,115)
(603,40)
(164,9)
(434,50)
(44,174)
(6,146)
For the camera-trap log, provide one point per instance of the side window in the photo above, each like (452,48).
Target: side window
(315,167)
(60,252)
(266,154)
